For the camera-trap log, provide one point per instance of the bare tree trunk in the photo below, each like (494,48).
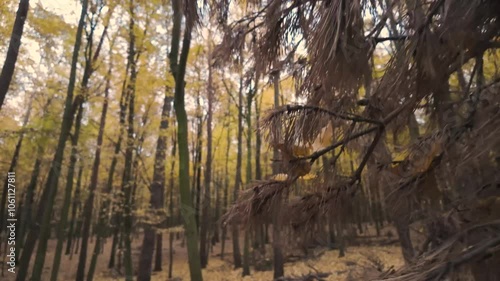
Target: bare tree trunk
(13,51)
(250,96)
(42,226)
(127,180)
(226,189)
(74,209)
(157,194)
(124,100)
(197,163)
(258,141)
(178,68)
(158,252)
(278,260)
(237,180)
(100,216)
(63,220)
(90,60)
(171,210)
(29,200)
(208,174)
(216,235)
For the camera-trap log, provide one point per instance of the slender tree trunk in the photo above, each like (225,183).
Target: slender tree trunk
(127,171)
(29,199)
(208,173)
(278,260)
(125,213)
(13,51)
(90,59)
(124,100)
(61,228)
(216,235)
(178,68)
(93,186)
(158,252)
(42,227)
(250,96)
(258,141)
(197,162)
(74,209)
(260,240)
(157,194)
(226,188)
(237,180)
(171,219)
(89,69)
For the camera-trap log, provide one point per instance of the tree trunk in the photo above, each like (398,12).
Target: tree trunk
(90,60)
(216,235)
(158,252)
(124,100)
(237,179)
(42,226)
(13,51)
(127,180)
(250,97)
(197,162)
(178,71)
(157,194)
(28,205)
(63,220)
(74,208)
(258,141)
(171,210)
(226,188)
(125,212)
(208,174)
(278,260)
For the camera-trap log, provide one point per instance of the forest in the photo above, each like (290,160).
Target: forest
(285,140)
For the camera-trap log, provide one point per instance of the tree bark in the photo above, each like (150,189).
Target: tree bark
(171,210)
(250,97)
(208,173)
(61,228)
(42,226)
(127,180)
(226,188)
(100,231)
(178,69)
(74,209)
(278,259)
(124,100)
(197,162)
(237,180)
(89,69)
(258,141)
(13,51)
(158,252)
(157,194)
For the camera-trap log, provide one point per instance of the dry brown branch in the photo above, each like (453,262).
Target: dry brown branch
(433,45)
(435,267)
(255,202)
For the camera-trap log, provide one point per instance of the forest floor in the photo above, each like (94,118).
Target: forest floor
(325,261)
